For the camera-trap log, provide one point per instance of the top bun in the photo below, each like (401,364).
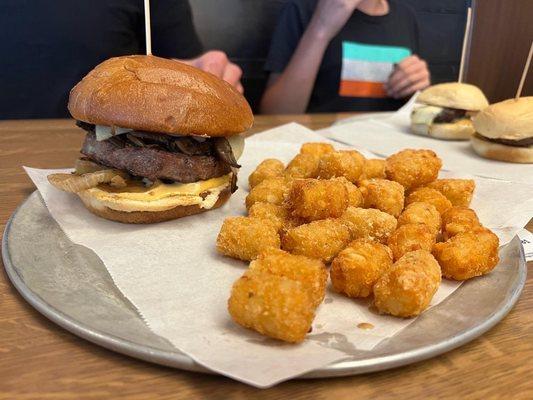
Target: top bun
(158,95)
(462,96)
(510,119)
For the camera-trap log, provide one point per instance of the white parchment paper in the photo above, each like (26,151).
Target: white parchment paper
(172,274)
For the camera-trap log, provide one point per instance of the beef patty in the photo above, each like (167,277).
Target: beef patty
(153,161)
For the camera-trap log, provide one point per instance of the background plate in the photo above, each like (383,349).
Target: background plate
(70,285)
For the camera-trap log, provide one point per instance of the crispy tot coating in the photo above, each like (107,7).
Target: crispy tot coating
(355,197)
(303,166)
(310,271)
(272,305)
(458,191)
(421,213)
(346,163)
(458,219)
(322,239)
(431,196)
(270,190)
(369,223)
(413,168)
(316,149)
(406,289)
(373,168)
(468,254)
(358,267)
(313,199)
(411,237)
(278,215)
(245,238)
(385,195)
(269,168)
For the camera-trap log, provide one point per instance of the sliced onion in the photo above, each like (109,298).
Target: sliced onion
(76,183)
(237,145)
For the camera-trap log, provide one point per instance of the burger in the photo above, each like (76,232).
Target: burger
(445,111)
(504,131)
(162,140)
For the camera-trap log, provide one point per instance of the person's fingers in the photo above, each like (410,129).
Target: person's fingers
(407,81)
(214,62)
(239,88)
(407,61)
(232,74)
(401,72)
(422,84)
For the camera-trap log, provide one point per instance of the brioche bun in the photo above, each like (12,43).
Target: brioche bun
(502,152)
(459,130)
(462,96)
(153,94)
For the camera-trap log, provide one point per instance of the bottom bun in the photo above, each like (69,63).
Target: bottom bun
(462,129)
(501,152)
(97,207)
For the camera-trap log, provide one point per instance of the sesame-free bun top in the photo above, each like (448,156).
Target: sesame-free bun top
(154,94)
(510,119)
(462,96)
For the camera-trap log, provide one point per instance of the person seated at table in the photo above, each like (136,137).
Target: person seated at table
(343,55)
(48,46)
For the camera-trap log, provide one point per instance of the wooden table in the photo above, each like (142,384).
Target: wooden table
(40,360)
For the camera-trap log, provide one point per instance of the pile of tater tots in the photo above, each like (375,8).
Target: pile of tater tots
(386,229)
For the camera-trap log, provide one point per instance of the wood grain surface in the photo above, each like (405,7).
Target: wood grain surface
(39,360)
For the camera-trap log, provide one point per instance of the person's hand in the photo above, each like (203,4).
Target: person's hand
(216,62)
(331,15)
(409,75)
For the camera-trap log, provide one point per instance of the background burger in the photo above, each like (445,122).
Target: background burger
(445,111)
(504,131)
(161,140)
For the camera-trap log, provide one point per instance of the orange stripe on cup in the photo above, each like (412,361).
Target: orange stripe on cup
(361,89)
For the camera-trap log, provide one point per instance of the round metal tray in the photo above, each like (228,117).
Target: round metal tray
(69,285)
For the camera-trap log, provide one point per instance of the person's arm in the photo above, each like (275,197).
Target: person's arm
(289,92)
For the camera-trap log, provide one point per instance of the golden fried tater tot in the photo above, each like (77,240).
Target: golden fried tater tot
(421,213)
(270,190)
(310,271)
(347,163)
(458,191)
(385,195)
(411,237)
(322,239)
(269,168)
(431,196)
(373,168)
(278,215)
(272,305)
(316,149)
(313,199)
(458,219)
(303,166)
(358,267)
(245,238)
(406,289)
(468,254)
(413,168)
(355,197)
(369,223)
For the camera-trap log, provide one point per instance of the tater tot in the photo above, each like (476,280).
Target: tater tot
(245,238)
(316,149)
(373,168)
(355,197)
(431,196)
(458,219)
(468,254)
(385,195)
(269,168)
(369,223)
(276,214)
(358,267)
(322,239)
(303,166)
(406,289)
(272,305)
(458,191)
(313,199)
(421,213)
(413,168)
(411,237)
(271,190)
(346,163)
(310,271)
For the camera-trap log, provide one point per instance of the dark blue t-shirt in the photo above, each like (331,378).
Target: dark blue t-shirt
(358,59)
(47,46)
